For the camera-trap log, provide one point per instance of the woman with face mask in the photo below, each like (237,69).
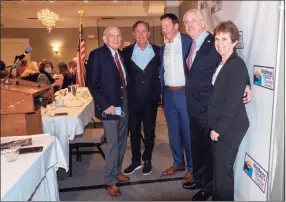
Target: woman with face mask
(45,76)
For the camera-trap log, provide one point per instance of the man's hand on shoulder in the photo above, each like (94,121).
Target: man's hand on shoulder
(247,98)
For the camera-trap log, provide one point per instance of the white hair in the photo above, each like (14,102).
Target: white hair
(106,30)
(198,12)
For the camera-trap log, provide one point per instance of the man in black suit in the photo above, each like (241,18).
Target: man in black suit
(107,82)
(202,62)
(142,61)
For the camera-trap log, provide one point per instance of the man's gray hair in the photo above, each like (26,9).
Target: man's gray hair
(106,30)
(199,13)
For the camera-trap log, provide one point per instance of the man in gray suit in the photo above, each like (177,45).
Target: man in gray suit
(107,82)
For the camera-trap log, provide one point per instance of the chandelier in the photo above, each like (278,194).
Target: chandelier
(48,18)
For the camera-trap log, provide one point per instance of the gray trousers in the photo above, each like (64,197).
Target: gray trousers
(116,139)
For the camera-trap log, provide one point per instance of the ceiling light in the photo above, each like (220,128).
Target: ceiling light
(48,18)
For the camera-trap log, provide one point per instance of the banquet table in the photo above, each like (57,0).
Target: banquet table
(65,128)
(33,175)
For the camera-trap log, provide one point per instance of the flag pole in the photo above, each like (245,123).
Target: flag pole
(81,13)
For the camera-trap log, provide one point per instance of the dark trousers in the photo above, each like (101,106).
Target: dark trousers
(146,114)
(202,153)
(225,152)
(175,108)
(116,139)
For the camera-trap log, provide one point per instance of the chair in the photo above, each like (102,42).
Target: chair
(92,137)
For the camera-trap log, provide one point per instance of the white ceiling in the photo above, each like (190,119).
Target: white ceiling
(15,14)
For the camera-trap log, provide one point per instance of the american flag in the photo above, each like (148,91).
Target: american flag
(81,58)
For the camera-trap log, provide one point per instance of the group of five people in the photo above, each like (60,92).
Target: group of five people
(202,81)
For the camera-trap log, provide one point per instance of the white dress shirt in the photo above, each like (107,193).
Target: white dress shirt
(216,73)
(113,55)
(174,74)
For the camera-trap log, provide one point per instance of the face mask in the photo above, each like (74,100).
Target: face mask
(48,70)
(117,112)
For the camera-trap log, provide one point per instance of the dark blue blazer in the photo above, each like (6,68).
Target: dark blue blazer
(199,87)
(144,85)
(198,83)
(186,44)
(103,81)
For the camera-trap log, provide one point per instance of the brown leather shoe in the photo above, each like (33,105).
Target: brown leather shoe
(188,177)
(123,178)
(172,170)
(113,190)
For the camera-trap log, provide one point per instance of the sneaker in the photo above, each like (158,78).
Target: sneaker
(131,168)
(147,168)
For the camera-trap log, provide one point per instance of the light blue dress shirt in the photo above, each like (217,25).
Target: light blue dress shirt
(142,57)
(199,41)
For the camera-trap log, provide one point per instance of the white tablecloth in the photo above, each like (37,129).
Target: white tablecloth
(66,127)
(33,175)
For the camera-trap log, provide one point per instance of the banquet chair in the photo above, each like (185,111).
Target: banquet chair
(93,138)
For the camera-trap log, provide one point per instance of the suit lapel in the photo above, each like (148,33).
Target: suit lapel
(112,61)
(204,49)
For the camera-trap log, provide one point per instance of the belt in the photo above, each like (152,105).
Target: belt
(177,88)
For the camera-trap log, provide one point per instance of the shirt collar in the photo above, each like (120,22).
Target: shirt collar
(137,46)
(177,37)
(199,41)
(112,51)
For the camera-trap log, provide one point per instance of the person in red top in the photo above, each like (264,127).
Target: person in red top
(21,67)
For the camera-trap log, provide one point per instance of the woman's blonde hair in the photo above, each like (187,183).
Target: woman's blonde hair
(32,68)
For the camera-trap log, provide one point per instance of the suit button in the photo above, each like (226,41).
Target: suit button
(210,103)
(142,81)
(121,87)
(121,97)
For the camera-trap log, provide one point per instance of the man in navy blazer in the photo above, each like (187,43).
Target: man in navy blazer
(142,61)
(173,79)
(107,81)
(202,62)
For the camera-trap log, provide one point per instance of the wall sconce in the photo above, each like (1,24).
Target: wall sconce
(56,50)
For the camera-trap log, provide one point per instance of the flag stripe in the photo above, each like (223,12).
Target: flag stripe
(81,57)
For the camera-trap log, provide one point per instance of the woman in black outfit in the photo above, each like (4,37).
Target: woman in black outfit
(68,78)
(227,115)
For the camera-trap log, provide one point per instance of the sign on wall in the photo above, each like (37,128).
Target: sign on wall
(263,76)
(258,174)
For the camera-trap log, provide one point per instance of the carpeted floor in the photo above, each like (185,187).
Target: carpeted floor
(89,175)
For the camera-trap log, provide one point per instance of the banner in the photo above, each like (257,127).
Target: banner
(258,23)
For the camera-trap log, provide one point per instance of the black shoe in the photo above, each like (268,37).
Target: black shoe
(147,168)
(201,196)
(191,185)
(131,169)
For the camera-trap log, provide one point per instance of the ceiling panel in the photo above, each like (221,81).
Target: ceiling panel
(23,14)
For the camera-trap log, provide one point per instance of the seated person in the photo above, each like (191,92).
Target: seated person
(3,72)
(45,76)
(72,71)
(21,67)
(68,77)
(31,73)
